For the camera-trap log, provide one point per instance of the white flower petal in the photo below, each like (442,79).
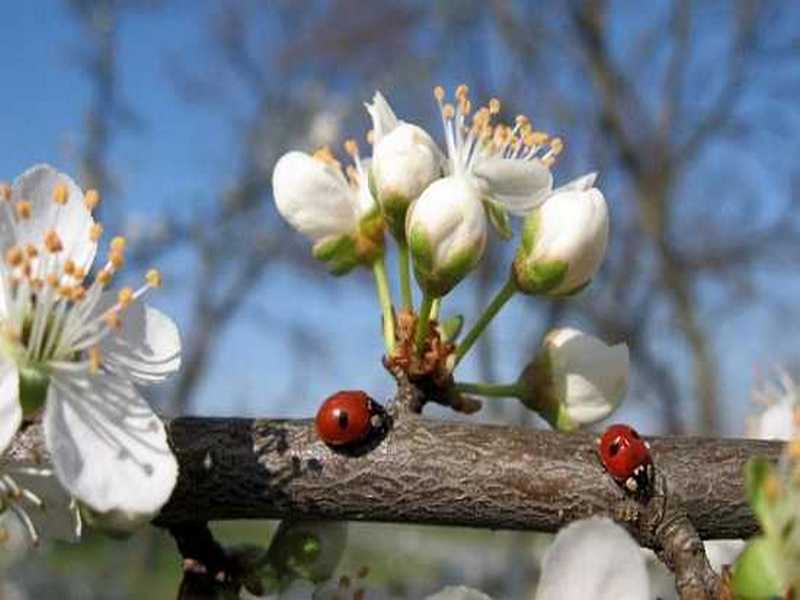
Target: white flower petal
(72,221)
(593,558)
(15,541)
(573,228)
(519,185)
(10,410)
(775,423)
(314,197)
(109,449)
(579,184)
(383,117)
(148,347)
(590,375)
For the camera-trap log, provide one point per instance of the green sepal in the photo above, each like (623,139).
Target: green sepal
(539,277)
(451,327)
(33,385)
(340,254)
(573,292)
(438,280)
(498,217)
(394,209)
(757,573)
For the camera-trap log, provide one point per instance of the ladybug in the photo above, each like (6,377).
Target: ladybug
(348,417)
(626,457)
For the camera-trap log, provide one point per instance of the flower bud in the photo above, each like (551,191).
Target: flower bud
(563,241)
(341,217)
(575,379)
(405,160)
(446,231)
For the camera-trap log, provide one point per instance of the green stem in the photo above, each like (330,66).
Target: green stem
(496,390)
(503,296)
(437,306)
(385,300)
(405,275)
(423,320)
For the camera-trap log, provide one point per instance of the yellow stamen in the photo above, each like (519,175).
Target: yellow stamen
(78,293)
(66,291)
(118,244)
(52,280)
(69,266)
(52,241)
(95,231)
(125,297)
(462,91)
(60,194)
(351,147)
(104,277)
(31,251)
(79,274)
(371,136)
(5,191)
(14,256)
(438,93)
(448,111)
(494,106)
(91,199)
(325,155)
(95,359)
(112,320)
(24,209)
(117,259)
(153,278)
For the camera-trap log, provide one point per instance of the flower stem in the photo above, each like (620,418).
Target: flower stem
(437,306)
(405,275)
(496,390)
(503,296)
(385,300)
(423,320)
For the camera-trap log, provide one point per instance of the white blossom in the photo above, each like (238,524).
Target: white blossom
(593,558)
(405,160)
(336,212)
(564,240)
(576,379)
(73,351)
(446,232)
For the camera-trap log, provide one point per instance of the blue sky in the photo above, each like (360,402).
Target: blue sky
(182,153)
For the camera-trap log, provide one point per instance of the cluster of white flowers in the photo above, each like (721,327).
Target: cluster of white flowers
(72,354)
(438,206)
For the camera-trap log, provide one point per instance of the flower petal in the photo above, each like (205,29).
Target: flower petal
(108,447)
(314,197)
(383,117)
(148,347)
(10,410)
(458,592)
(593,558)
(579,184)
(71,221)
(519,185)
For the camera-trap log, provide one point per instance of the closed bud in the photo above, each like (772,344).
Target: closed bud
(446,231)
(405,160)
(575,379)
(339,216)
(563,241)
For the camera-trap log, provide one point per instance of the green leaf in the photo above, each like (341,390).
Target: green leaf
(498,217)
(757,573)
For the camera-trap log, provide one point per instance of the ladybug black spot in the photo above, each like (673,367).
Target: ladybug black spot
(342,419)
(614,447)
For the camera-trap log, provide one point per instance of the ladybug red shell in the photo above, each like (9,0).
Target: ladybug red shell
(346,418)
(626,457)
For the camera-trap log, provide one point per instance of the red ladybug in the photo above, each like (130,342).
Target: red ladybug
(626,456)
(347,418)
